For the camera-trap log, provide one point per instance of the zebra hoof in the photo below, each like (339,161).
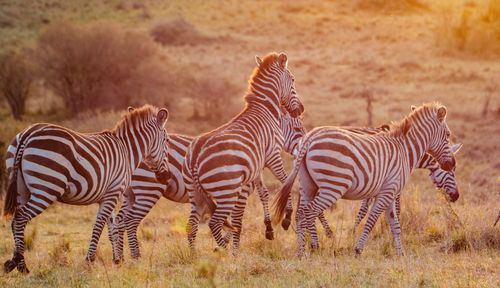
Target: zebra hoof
(9,265)
(358,252)
(136,256)
(329,234)
(118,261)
(270,235)
(286,223)
(21,267)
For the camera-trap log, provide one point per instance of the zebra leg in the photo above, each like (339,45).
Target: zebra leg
(308,190)
(106,207)
(197,211)
(237,217)
(38,202)
(224,208)
(398,206)
(325,198)
(326,226)
(275,164)
(380,204)
(264,199)
(391,215)
(365,205)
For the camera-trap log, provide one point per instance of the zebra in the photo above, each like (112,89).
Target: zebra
(50,163)
(342,164)
(442,180)
(219,163)
(144,190)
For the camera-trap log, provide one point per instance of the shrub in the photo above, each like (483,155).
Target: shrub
(15,79)
(212,99)
(99,66)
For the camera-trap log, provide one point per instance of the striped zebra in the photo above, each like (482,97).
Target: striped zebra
(335,163)
(442,180)
(50,163)
(145,190)
(221,162)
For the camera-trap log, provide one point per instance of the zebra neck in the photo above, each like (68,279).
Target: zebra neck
(263,104)
(264,109)
(417,142)
(134,146)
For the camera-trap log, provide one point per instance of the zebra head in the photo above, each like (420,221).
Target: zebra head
(443,179)
(285,82)
(439,147)
(293,130)
(156,142)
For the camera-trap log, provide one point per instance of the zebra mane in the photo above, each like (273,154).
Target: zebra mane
(137,115)
(267,61)
(401,128)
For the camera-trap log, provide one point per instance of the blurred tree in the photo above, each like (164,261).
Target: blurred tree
(100,66)
(16,76)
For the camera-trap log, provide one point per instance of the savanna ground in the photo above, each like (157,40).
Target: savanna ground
(399,52)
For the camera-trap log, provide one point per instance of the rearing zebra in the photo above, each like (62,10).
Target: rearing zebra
(55,163)
(335,163)
(145,190)
(221,162)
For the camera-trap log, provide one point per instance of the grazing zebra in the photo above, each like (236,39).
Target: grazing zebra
(144,190)
(55,163)
(334,163)
(442,180)
(221,162)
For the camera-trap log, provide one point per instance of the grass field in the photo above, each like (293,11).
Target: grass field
(338,51)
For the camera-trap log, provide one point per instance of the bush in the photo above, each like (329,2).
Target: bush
(177,32)
(15,79)
(212,99)
(100,66)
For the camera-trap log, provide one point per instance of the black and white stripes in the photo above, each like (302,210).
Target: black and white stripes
(334,163)
(221,162)
(52,163)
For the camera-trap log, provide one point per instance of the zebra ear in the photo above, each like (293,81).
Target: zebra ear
(258,60)
(282,60)
(385,127)
(413,107)
(456,147)
(130,109)
(162,116)
(441,114)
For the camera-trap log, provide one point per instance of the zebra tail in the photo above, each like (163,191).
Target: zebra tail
(280,201)
(10,203)
(208,201)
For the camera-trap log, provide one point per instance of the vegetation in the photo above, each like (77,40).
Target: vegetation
(333,50)
(16,76)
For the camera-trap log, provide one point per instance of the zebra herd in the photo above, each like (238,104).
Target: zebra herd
(216,171)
